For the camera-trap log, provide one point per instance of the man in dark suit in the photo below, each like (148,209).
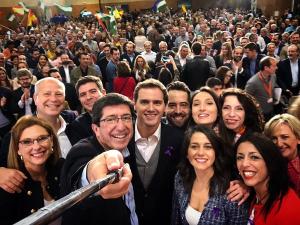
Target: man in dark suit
(154,155)
(197,71)
(23,96)
(288,73)
(250,63)
(130,54)
(66,68)
(89,90)
(113,129)
(70,92)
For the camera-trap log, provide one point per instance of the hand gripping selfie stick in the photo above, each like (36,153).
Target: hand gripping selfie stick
(55,209)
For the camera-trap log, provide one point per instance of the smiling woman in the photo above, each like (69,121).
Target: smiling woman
(201,182)
(284,130)
(263,168)
(34,150)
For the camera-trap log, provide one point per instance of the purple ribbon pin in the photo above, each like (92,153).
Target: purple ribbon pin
(169,151)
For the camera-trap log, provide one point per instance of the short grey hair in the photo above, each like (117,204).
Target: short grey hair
(48,79)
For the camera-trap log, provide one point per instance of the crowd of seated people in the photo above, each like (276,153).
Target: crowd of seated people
(204,107)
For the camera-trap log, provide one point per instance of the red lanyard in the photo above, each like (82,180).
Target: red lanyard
(267,86)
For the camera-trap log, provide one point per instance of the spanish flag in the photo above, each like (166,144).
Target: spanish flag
(183,8)
(31,19)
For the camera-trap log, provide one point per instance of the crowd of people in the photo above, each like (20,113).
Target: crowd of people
(203,106)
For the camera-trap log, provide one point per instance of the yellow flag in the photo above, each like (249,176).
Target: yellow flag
(183,7)
(31,18)
(116,14)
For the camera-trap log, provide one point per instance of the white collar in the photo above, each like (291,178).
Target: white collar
(138,136)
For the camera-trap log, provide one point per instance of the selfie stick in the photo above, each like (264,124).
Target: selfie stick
(55,209)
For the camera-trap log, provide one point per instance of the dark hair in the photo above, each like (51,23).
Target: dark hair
(165,76)
(251,46)
(220,74)
(253,116)
(148,84)
(213,81)
(222,164)
(278,184)
(89,79)
(110,99)
(123,69)
(209,91)
(112,49)
(196,48)
(266,61)
(179,86)
(53,70)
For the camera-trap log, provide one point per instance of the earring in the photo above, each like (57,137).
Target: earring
(21,157)
(52,150)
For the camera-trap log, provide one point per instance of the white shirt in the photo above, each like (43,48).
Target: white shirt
(63,140)
(27,106)
(67,72)
(146,146)
(192,215)
(295,71)
(149,56)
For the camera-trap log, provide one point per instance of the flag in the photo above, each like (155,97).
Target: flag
(112,24)
(117,14)
(64,8)
(159,6)
(183,8)
(23,6)
(100,17)
(31,19)
(18,10)
(41,4)
(112,27)
(11,17)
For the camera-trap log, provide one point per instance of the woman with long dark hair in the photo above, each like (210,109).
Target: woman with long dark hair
(264,169)
(239,115)
(201,182)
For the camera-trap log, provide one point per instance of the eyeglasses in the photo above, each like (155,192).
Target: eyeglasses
(112,120)
(40,140)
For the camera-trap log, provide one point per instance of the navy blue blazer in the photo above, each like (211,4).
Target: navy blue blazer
(153,206)
(93,210)
(218,210)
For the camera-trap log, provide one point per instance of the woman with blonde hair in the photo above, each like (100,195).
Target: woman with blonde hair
(141,69)
(225,55)
(34,150)
(284,130)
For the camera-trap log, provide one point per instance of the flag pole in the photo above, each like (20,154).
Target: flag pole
(6,27)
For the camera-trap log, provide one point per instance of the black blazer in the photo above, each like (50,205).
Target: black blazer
(15,207)
(17,94)
(246,65)
(284,75)
(63,74)
(126,57)
(196,72)
(93,210)
(81,127)
(154,206)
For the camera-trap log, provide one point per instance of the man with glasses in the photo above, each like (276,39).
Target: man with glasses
(113,128)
